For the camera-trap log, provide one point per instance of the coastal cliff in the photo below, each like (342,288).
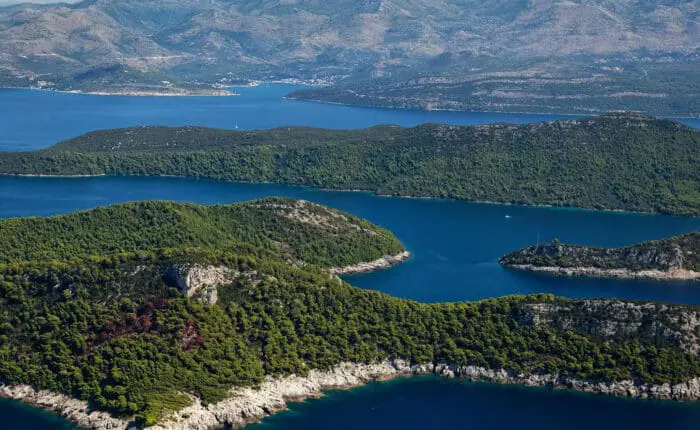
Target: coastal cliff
(676,258)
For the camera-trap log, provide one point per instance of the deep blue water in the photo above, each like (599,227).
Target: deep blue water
(456,246)
(17,416)
(439,404)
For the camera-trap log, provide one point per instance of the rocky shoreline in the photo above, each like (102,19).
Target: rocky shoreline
(656,275)
(380,264)
(76,411)
(249,405)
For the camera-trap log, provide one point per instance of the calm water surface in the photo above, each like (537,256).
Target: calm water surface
(456,246)
(17,416)
(31,119)
(433,404)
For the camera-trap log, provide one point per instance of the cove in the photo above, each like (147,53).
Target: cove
(456,245)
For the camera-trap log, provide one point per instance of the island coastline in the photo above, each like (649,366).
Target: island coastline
(668,259)
(595,272)
(247,405)
(168,92)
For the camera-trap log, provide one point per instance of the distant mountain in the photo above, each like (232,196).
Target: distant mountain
(514,44)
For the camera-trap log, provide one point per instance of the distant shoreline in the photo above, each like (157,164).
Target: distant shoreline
(579,115)
(176,92)
(673,275)
(255,83)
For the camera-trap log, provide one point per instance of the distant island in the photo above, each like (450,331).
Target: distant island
(619,161)
(676,258)
(170,315)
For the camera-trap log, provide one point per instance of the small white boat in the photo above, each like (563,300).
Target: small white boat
(508,216)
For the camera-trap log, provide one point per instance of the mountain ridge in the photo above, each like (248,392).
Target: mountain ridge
(536,47)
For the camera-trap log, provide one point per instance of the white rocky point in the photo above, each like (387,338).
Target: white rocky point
(382,263)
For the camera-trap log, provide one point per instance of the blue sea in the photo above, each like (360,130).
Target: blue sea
(33,119)
(455,246)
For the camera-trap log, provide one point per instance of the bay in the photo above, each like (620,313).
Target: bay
(17,416)
(456,246)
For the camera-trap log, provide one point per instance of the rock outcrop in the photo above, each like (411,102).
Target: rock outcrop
(619,320)
(382,263)
(198,281)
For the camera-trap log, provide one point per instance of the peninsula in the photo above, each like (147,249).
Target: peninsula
(171,316)
(676,258)
(620,161)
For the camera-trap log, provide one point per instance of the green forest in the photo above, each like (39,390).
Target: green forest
(286,229)
(616,161)
(87,311)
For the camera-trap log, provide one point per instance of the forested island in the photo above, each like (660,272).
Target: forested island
(616,161)
(675,258)
(185,316)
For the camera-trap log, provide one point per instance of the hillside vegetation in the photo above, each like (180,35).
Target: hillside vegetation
(681,252)
(615,161)
(115,330)
(297,230)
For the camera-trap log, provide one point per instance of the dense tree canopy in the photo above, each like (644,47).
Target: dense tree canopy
(104,325)
(616,161)
(294,229)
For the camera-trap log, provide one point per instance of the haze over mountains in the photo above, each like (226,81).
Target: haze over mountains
(494,51)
